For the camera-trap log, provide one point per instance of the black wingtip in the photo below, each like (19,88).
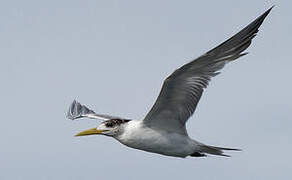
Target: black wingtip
(268,11)
(263,16)
(71,113)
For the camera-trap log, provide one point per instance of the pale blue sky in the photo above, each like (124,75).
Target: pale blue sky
(113,56)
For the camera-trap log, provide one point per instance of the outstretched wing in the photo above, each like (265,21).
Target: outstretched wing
(182,90)
(77,110)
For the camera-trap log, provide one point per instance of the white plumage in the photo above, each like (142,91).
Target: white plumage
(163,130)
(137,135)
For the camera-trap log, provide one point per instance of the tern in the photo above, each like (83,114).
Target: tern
(163,130)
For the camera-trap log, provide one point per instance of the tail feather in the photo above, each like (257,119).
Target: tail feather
(216,150)
(226,149)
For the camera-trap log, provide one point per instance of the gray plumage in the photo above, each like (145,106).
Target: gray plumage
(183,89)
(77,110)
(163,130)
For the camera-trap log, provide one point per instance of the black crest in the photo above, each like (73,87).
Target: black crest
(115,122)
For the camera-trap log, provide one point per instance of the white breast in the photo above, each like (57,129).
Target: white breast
(139,136)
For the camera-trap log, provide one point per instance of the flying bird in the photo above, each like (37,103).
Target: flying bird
(163,130)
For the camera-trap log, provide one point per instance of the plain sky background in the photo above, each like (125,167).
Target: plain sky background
(113,57)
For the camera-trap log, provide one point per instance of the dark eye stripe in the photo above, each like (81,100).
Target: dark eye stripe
(109,124)
(114,122)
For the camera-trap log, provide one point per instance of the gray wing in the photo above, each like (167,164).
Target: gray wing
(77,110)
(183,89)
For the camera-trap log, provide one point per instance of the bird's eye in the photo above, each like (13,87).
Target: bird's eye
(109,124)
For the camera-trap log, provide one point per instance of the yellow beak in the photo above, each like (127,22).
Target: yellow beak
(91,131)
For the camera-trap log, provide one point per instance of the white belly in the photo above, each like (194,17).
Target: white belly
(147,139)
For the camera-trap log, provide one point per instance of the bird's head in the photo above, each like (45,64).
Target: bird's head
(111,127)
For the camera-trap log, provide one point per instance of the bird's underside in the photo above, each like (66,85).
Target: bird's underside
(163,130)
(136,135)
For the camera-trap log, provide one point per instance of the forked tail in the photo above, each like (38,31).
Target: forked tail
(219,151)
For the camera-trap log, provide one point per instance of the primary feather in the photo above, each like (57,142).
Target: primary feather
(163,130)
(183,89)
